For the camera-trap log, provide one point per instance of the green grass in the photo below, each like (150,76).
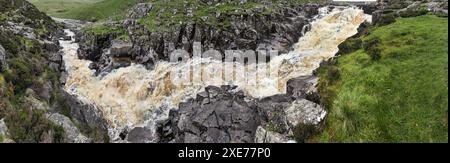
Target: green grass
(101,29)
(90,10)
(402,97)
(58,7)
(172,13)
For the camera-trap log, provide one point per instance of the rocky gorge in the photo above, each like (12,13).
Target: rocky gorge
(217,113)
(112,78)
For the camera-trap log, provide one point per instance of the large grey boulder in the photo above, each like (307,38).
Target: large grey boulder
(140,135)
(51,46)
(2,58)
(120,48)
(304,112)
(284,116)
(71,132)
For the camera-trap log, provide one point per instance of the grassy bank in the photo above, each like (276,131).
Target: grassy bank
(393,89)
(90,10)
(94,10)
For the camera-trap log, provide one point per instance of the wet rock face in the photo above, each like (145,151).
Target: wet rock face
(281,116)
(304,112)
(120,55)
(217,115)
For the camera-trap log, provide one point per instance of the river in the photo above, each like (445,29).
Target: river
(127,95)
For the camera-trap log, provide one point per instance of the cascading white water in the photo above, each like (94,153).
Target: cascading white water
(126,94)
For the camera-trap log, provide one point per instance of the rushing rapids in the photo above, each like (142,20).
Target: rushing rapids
(127,94)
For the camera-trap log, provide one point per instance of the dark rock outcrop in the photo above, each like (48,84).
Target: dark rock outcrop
(276,31)
(71,132)
(120,48)
(139,135)
(93,45)
(223,115)
(217,115)
(249,30)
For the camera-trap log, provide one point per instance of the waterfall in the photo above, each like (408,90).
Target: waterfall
(125,95)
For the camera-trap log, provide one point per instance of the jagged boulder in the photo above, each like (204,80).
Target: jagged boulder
(71,132)
(272,112)
(223,115)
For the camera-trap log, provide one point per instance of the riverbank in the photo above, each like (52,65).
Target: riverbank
(393,87)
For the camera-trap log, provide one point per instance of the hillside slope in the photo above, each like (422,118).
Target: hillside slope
(33,107)
(28,77)
(393,87)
